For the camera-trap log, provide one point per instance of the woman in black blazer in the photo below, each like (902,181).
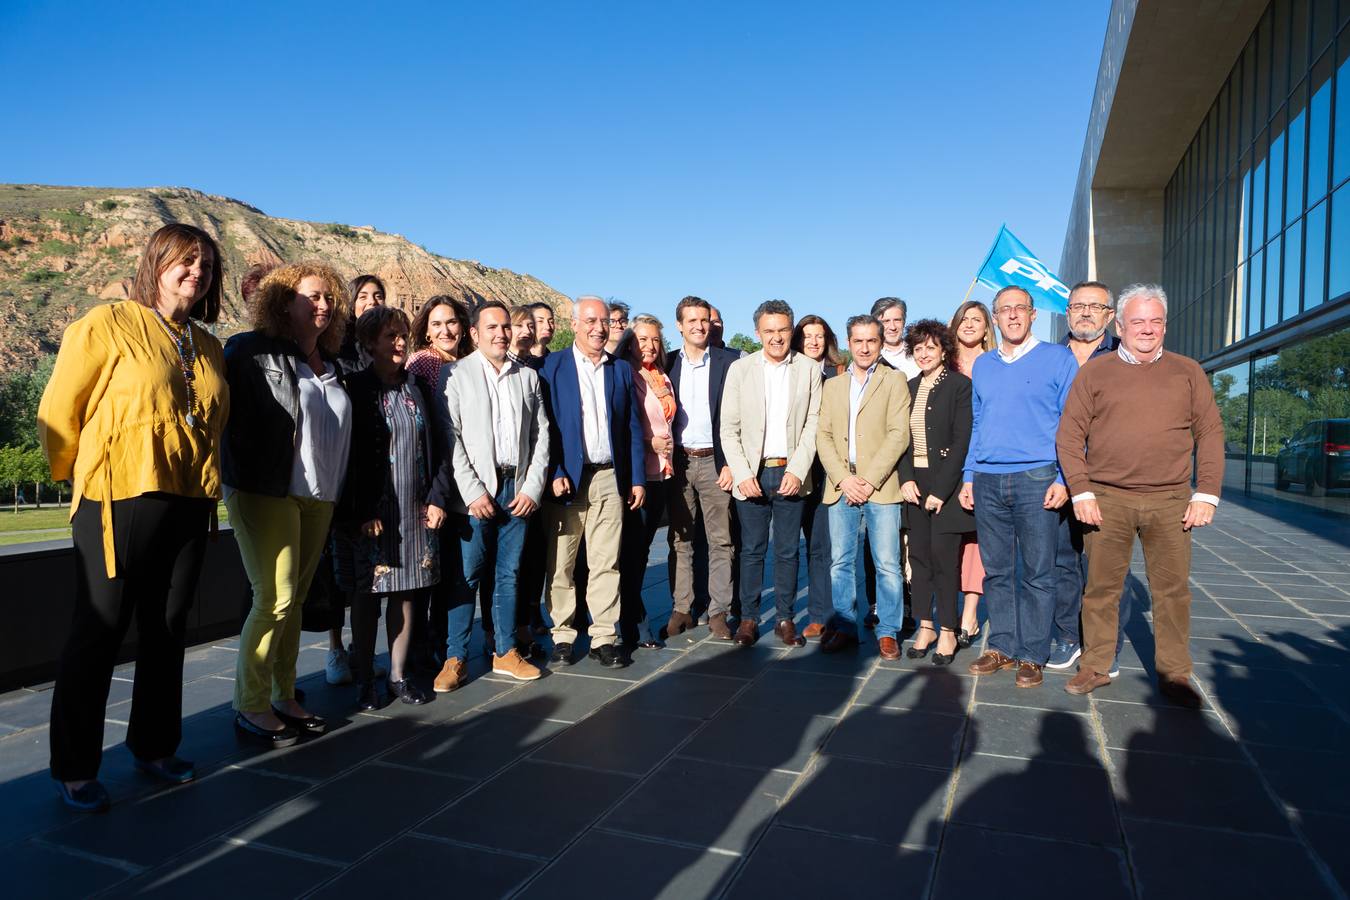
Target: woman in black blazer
(930,478)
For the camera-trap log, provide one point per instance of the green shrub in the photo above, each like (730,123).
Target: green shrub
(341,231)
(58,248)
(41,276)
(108,205)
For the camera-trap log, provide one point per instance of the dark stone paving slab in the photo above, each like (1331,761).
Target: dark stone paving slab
(1172,861)
(707,770)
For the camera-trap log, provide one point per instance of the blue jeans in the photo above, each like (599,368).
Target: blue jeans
(756,514)
(1070,576)
(484,543)
(816,528)
(883,537)
(1017,530)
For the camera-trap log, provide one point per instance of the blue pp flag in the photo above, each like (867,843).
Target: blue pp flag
(1011,264)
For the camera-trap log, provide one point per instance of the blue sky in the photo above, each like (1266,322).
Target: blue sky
(821,154)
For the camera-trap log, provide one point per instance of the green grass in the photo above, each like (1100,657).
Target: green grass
(47,524)
(58,248)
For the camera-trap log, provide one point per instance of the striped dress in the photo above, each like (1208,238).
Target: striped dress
(405,557)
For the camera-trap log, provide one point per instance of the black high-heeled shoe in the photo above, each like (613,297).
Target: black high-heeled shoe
(919,653)
(945,659)
(965,638)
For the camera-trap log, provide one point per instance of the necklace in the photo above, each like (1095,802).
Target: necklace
(186,346)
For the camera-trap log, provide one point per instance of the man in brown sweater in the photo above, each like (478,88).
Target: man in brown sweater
(1130,425)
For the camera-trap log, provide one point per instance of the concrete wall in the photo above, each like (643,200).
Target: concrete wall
(39,598)
(1127,236)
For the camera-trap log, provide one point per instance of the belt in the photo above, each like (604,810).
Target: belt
(596,467)
(852,469)
(696,454)
(506,471)
(774,462)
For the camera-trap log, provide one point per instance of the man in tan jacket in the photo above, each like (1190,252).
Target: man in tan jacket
(864,429)
(769,409)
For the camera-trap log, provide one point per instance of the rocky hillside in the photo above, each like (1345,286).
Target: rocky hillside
(64,249)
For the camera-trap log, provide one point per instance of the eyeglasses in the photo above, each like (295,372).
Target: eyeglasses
(1088,307)
(618,321)
(1020,308)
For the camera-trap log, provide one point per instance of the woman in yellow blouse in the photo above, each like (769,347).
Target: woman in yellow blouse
(132,417)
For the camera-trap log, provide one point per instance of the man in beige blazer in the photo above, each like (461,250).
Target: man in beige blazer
(863,431)
(769,409)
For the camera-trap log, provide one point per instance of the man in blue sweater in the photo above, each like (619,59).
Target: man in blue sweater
(1014,485)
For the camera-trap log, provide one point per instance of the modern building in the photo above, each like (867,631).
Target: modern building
(1217,162)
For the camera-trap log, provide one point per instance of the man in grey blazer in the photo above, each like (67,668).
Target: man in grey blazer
(769,409)
(497,435)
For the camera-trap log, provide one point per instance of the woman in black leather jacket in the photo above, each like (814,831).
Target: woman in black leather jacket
(283,462)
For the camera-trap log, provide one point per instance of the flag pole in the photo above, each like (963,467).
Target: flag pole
(992,247)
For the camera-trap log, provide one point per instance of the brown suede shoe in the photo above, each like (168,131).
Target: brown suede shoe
(718,626)
(890,648)
(747,633)
(1086,681)
(679,623)
(990,661)
(1029,675)
(814,630)
(837,642)
(786,630)
(1178,689)
(514,666)
(453,674)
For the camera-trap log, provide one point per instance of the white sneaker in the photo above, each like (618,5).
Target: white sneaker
(337,669)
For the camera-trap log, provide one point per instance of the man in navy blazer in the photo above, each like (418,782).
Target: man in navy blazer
(596,442)
(702,481)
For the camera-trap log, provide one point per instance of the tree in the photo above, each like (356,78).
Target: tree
(20,394)
(562,336)
(741,342)
(12,470)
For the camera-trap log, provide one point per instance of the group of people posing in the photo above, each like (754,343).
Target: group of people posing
(429,466)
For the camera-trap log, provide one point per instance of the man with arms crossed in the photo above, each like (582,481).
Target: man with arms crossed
(499,442)
(863,431)
(1131,424)
(1014,486)
(769,409)
(597,452)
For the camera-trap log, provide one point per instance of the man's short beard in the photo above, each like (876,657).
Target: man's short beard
(1086,336)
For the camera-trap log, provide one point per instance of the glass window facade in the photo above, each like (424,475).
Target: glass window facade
(1256,254)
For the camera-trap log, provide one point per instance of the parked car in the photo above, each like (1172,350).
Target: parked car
(1317,456)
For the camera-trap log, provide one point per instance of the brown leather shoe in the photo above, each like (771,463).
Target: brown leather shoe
(890,648)
(814,630)
(838,641)
(786,630)
(1086,681)
(1178,689)
(747,632)
(718,626)
(990,661)
(1029,675)
(679,623)
(453,674)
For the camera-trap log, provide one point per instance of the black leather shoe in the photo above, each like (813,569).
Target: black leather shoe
(608,656)
(173,770)
(368,697)
(407,692)
(562,655)
(283,737)
(305,725)
(91,798)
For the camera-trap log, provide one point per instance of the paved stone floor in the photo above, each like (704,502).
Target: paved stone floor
(707,770)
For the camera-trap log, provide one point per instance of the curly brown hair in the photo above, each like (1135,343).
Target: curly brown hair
(277,290)
(925,330)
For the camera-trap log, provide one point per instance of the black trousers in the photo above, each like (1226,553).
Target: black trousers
(934,561)
(160,543)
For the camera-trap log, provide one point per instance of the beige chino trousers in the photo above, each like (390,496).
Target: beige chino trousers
(596,514)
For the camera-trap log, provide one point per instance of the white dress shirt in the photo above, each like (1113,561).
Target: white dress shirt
(1019,351)
(594,408)
(855,395)
(505,412)
(777,398)
(693,419)
(900,359)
